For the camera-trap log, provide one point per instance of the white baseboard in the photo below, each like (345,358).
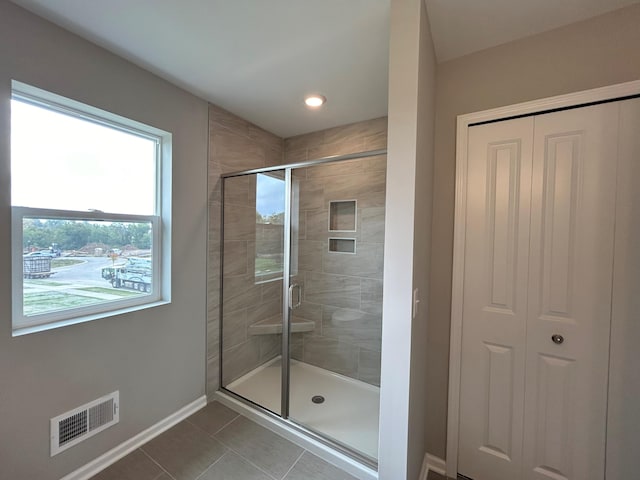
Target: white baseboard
(433,464)
(436,464)
(424,471)
(103,461)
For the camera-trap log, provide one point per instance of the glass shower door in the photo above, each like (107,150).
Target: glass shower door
(253,236)
(337,244)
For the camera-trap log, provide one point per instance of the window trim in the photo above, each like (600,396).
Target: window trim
(160,220)
(66,106)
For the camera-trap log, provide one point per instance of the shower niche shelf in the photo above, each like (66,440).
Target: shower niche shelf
(342,245)
(342,215)
(273,325)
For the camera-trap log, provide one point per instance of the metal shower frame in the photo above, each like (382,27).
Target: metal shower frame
(286,311)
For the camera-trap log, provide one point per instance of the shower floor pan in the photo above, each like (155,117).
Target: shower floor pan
(348,415)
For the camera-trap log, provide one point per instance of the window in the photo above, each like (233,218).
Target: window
(88,211)
(270,199)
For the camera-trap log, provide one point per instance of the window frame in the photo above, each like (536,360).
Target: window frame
(160,220)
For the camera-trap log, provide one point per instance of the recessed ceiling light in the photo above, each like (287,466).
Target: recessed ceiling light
(314,101)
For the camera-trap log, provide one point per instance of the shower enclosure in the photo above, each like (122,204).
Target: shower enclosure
(301,295)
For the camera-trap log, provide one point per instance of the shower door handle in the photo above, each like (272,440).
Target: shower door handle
(297,287)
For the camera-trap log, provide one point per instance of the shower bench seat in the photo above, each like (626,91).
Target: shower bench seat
(273,325)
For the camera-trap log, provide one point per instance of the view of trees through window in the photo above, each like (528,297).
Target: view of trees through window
(270,196)
(75,235)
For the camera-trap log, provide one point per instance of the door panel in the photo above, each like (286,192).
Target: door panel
(497,227)
(497,438)
(554,397)
(570,274)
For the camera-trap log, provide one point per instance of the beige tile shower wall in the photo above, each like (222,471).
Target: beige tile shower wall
(342,292)
(234,145)
(353,138)
(247,300)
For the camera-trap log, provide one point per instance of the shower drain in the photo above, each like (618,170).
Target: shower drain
(317,399)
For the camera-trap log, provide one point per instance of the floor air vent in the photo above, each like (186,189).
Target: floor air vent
(83,422)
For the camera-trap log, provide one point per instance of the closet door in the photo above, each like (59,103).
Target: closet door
(495,300)
(541,195)
(623,422)
(570,275)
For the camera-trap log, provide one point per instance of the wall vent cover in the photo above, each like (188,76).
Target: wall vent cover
(83,422)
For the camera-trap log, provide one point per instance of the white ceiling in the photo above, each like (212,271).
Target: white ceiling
(255,58)
(259,58)
(460,27)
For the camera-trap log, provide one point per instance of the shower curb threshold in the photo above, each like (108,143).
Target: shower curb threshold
(336,458)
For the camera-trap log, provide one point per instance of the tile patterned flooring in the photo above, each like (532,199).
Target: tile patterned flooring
(216,443)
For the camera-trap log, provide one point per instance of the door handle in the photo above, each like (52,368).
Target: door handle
(557,339)
(298,288)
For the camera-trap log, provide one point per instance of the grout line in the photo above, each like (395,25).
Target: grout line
(231,449)
(227,424)
(211,466)
(154,461)
(294,463)
(245,459)
(217,431)
(161,474)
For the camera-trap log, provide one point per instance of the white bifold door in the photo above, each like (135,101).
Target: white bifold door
(541,198)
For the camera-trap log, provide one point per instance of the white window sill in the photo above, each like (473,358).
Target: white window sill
(19,331)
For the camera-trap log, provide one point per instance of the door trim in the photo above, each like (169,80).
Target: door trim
(612,92)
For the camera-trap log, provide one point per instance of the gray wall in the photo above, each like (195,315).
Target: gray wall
(409,185)
(418,408)
(154,357)
(597,52)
